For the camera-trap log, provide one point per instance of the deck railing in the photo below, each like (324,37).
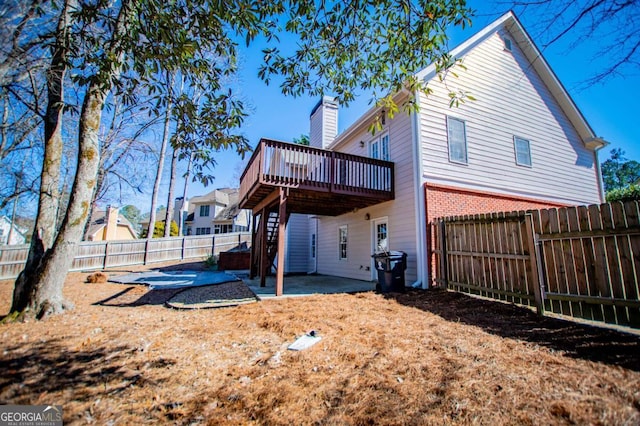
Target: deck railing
(298,166)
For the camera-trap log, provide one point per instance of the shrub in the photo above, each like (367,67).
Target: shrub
(628,193)
(211,261)
(158,230)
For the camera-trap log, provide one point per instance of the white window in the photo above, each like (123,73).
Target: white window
(342,242)
(379,148)
(382,241)
(203,231)
(222,229)
(204,211)
(457,138)
(523,151)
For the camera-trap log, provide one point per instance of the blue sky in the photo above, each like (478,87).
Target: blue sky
(610,108)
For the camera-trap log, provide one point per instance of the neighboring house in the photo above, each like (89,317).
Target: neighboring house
(11,234)
(522,144)
(161,214)
(109,225)
(215,213)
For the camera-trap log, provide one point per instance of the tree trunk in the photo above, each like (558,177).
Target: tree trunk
(39,294)
(163,148)
(171,196)
(46,219)
(48,298)
(184,197)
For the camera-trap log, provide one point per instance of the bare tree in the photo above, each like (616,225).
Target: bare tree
(610,25)
(117,46)
(166,135)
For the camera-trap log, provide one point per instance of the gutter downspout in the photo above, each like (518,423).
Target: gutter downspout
(421,226)
(599,173)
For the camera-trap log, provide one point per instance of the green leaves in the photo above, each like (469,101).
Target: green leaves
(346,46)
(618,172)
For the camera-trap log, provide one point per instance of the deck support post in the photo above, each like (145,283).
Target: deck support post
(263,247)
(282,222)
(254,249)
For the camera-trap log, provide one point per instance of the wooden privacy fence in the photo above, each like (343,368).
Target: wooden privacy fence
(582,262)
(92,255)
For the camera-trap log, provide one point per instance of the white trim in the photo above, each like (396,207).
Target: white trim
(466,144)
(462,184)
(346,228)
(515,151)
(420,213)
(373,240)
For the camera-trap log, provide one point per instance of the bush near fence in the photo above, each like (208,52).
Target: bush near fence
(581,262)
(93,255)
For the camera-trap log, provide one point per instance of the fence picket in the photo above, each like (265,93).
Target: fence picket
(580,268)
(93,255)
(569,262)
(613,262)
(576,261)
(631,281)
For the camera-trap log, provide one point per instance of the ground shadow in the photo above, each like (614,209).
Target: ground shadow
(30,370)
(139,296)
(576,340)
(184,266)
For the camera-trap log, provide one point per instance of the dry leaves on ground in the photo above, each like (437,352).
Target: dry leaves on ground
(415,358)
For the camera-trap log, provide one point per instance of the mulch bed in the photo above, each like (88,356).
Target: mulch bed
(200,297)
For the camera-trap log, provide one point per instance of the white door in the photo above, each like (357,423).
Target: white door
(379,240)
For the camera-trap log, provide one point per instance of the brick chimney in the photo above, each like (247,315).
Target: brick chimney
(111,224)
(324,123)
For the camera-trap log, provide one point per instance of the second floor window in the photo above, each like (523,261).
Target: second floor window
(457,138)
(523,151)
(379,148)
(204,211)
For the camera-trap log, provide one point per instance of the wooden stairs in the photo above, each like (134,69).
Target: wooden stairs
(270,247)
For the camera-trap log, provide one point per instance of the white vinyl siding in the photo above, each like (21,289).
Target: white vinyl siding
(297,244)
(400,211)
(563,171)
(522,149)
(457,140)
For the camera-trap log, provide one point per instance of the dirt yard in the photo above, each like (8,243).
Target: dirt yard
(417,358)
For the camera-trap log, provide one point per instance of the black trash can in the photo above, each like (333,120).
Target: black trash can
(390,266)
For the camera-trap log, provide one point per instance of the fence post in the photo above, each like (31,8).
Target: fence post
(146,251)
(443,253)
(183,244)
(106,255)
(213,245)
(536,266)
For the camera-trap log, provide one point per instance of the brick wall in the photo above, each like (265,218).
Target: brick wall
(442,201)
(450,201)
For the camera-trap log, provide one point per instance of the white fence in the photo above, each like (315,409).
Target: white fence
(93,255)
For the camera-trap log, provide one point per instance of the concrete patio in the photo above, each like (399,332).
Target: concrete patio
(306,285)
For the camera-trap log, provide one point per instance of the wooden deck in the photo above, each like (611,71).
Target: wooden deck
(317,181)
